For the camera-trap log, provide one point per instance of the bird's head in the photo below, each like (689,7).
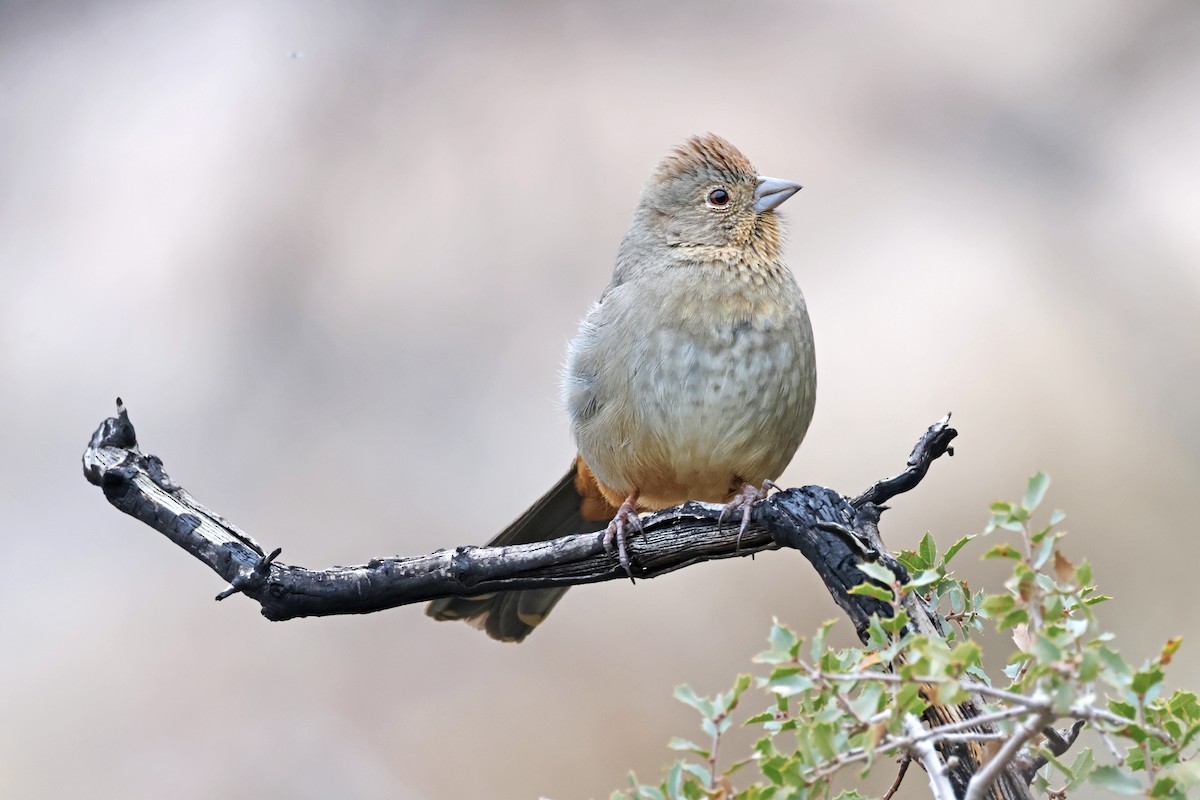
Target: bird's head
(706,195)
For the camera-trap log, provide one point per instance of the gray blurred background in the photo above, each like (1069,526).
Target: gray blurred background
(330,254)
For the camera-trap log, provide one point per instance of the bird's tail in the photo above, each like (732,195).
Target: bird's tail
(572,506)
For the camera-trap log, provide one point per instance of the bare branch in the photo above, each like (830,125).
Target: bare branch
(905,761)
(923,751)
(981,784)
(138,485)
(820,522)
(932,445)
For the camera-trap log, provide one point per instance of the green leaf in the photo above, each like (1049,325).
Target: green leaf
(978,674)
(684,694)
(1055,763)
(1185,775)
(877,572)
(1143,682)
(898,645)
(1135,732)
(818,642)
(789,682)
(1089,666)
(1135,759)
(735,766)
(642,791)
(868,701)
(825,739)
(1116,780)
(877,637)
(967,654)
(958,599)
(700,772)
(1038,484)
(771,769)
(1081,769)
(1184,704)
(871,590)
(784,644)
(839,660)
(954,548)
(1022,582)
(729,700)
(1046,651)
(1189,735)
(922,579)
(1123,709)
(927,550)
(911,561)
(909,700)
(895,624)
(997,605)
(1119,670)
(1012,619)
(678,743)
(1167,787)
(675,780)
(1043,553)
(1002,551)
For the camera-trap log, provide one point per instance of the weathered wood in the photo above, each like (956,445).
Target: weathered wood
(138,485)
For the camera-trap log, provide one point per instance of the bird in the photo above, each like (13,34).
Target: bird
(692,378)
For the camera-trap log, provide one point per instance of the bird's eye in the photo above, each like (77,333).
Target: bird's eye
(718,198)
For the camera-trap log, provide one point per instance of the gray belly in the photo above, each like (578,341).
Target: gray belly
(692,415)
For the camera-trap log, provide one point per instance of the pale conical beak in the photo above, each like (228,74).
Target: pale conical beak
(770,192)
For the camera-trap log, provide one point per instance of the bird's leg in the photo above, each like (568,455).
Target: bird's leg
(744,500)
(626,518)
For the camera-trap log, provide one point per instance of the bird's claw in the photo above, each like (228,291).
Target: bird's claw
(745,500)
(626,519)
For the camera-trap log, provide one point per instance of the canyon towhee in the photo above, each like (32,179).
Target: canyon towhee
(692,378)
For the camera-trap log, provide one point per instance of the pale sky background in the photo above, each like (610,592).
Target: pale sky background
(330,255)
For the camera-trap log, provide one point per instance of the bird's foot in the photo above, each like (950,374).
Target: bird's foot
(627,519)
(745,500)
